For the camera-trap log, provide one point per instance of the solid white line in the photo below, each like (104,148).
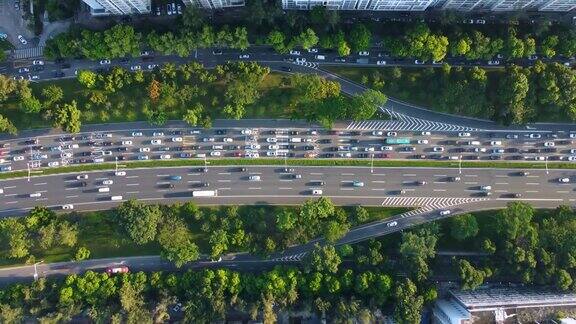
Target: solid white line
(440,182)
(40,184)
(132,184)
(162,175)
(347,174)
(131,177)
(439,190)
(379,181)
(66,181)
(11,202)
(501,183)
(224,180)
(224,188)
(254,188)
(347,189)
(132,192)
(224,173)
(532,191)
(285,188)
(10,195)
(562,191)
(440,175)
(379,189)
(471,175)
(409,175)
(470,183)
(501,190)
(316,173)
(501,176)
(533,183)
(71,189)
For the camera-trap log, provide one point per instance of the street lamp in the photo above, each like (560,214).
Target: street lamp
(372,163)
(546,163)
(36,269)
(459,164)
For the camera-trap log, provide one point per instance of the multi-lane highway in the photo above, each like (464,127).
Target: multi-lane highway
(291,142)
(431,187)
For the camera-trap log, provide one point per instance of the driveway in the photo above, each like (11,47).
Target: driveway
(11,23)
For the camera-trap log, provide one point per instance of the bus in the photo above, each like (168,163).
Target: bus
(397,140)
(204,193)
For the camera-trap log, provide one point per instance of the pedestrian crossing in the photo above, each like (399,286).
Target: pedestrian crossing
(28,52)
(291,258)
(401,122)
(311,65)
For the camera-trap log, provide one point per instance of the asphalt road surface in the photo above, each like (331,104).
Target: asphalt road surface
(275,185)
(272,140)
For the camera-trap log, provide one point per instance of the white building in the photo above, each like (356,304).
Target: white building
(214,4)
(118,7)
(506,5)
(379,5)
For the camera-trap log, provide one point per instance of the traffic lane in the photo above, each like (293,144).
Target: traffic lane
(279,187)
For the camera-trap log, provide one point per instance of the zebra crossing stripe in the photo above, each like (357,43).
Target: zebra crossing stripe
(311,65)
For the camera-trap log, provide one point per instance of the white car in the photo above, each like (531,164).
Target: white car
(345,155)
(82,177)
(244,56)
(464,134)
(120,173)
(104,62)
(445,212)
(485,188)
(535,136)
(156,142)
(143,157)
(572,158)
(135,68)
(377,133)
(293,52)
(165,157)
(317,192)
(495,143)
(494,62)
(313,50)
(98,160)
(392,224)
(158,134)
(387,148)
(53,164)
(67,206)
(254,178)
(572,135)
(144,149)
(35,195)
(65,155)
(22,40)
(37,62)
(126,142)
(107,182)
(369,149)
(418,62)
(272,140)
(270,153)
(215,153)
(392,134)
(380,62)
(71,146)
(549,144)
(426,133)
(364,53)
(253,147)
(137,134)
(177,139)
(438,149)
(423,141)
(480,149)
(273,147)
(228,140)
(253,155)
(564,180)
(208,139)
(246,132)
(18,158)
(300,60)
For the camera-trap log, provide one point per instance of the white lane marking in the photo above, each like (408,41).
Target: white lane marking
(501,183)
(379,174)
(471,175)
(533,176)
(470,183)
(224,173)
(379,181)
(132,184)
(409,189)
(439,190)
(193,181)
(533,183)
(532,191)
(71,189)
(346,181)
(224,180)
(347,174)
(100,179)
(9,187)
(132,177)
(286,180)
(40,184)
(193,174)
(73,196)
(70,180)
(316,173)
(10,195)
(255,173)
(379,189)
(346,189)
(224,188)
(562,191)
(500,176)
(132,192)
(501,190)
(41,191)
(409,174)
(440,175)
(254,188)
(11,202)
(162,175)
(440,182)
(41,199)
(285,188)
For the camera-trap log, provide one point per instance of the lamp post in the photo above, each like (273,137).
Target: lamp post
(36,269)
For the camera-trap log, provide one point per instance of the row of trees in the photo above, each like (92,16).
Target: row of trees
(543,92)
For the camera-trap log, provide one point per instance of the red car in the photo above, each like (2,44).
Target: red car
(118,269)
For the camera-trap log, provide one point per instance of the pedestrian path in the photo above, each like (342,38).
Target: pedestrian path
(401,122)
(28,52)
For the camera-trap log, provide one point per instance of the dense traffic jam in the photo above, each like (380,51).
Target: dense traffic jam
(271,143)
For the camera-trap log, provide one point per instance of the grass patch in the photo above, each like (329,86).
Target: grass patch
(294,162)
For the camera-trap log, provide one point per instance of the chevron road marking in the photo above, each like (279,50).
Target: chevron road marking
(311,65)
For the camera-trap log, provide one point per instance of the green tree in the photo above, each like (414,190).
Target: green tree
(31,105)
(67,117)
(471,277)
(365,104)
(360,38)
(512,92)
(176,242)
(563,280)
(463,226)
(286,220)
(140,221)
(218,243)
(52,94)
(416,248)
(82,254)
(322,259)
(10,314)
(6,126)
(277,40)
(307,39)
(87,78)
(409,303)
(343,48)
(15,237)
(335,230)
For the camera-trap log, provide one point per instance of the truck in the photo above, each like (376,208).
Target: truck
(204,193)
(397,140)
(320,57)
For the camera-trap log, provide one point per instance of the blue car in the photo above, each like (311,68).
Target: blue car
(175,178)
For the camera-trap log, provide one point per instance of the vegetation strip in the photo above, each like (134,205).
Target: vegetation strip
(293,162)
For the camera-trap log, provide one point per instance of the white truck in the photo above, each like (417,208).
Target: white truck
(204,193)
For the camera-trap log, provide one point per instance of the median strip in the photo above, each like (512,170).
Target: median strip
(292,162)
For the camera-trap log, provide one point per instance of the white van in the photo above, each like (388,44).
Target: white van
(295,140)
(113,198)
(201,155)
(104,189)
(320,57)
(217,147)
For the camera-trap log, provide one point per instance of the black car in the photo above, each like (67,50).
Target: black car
(85,153)
(241,169)
(550,150)
(185,155)
(354,141)
(122,149)
(177,132)
(178,148)
(31,141)
(66,138)
(272,132)
(362,155)
(107,143)
(164,148)
(82,137)
(495,157)
(65,65)
(205,184)
(309,147)
(287,69)
(317,183)
(169,186)
(193,147)
(121,158)
(325,141)
(291,146)
(523,173)
(58,74)
(355,133)
(82,184)
(221,132)
(38,68)
(328,155)
(512,150)
(293,132)
(202,170)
